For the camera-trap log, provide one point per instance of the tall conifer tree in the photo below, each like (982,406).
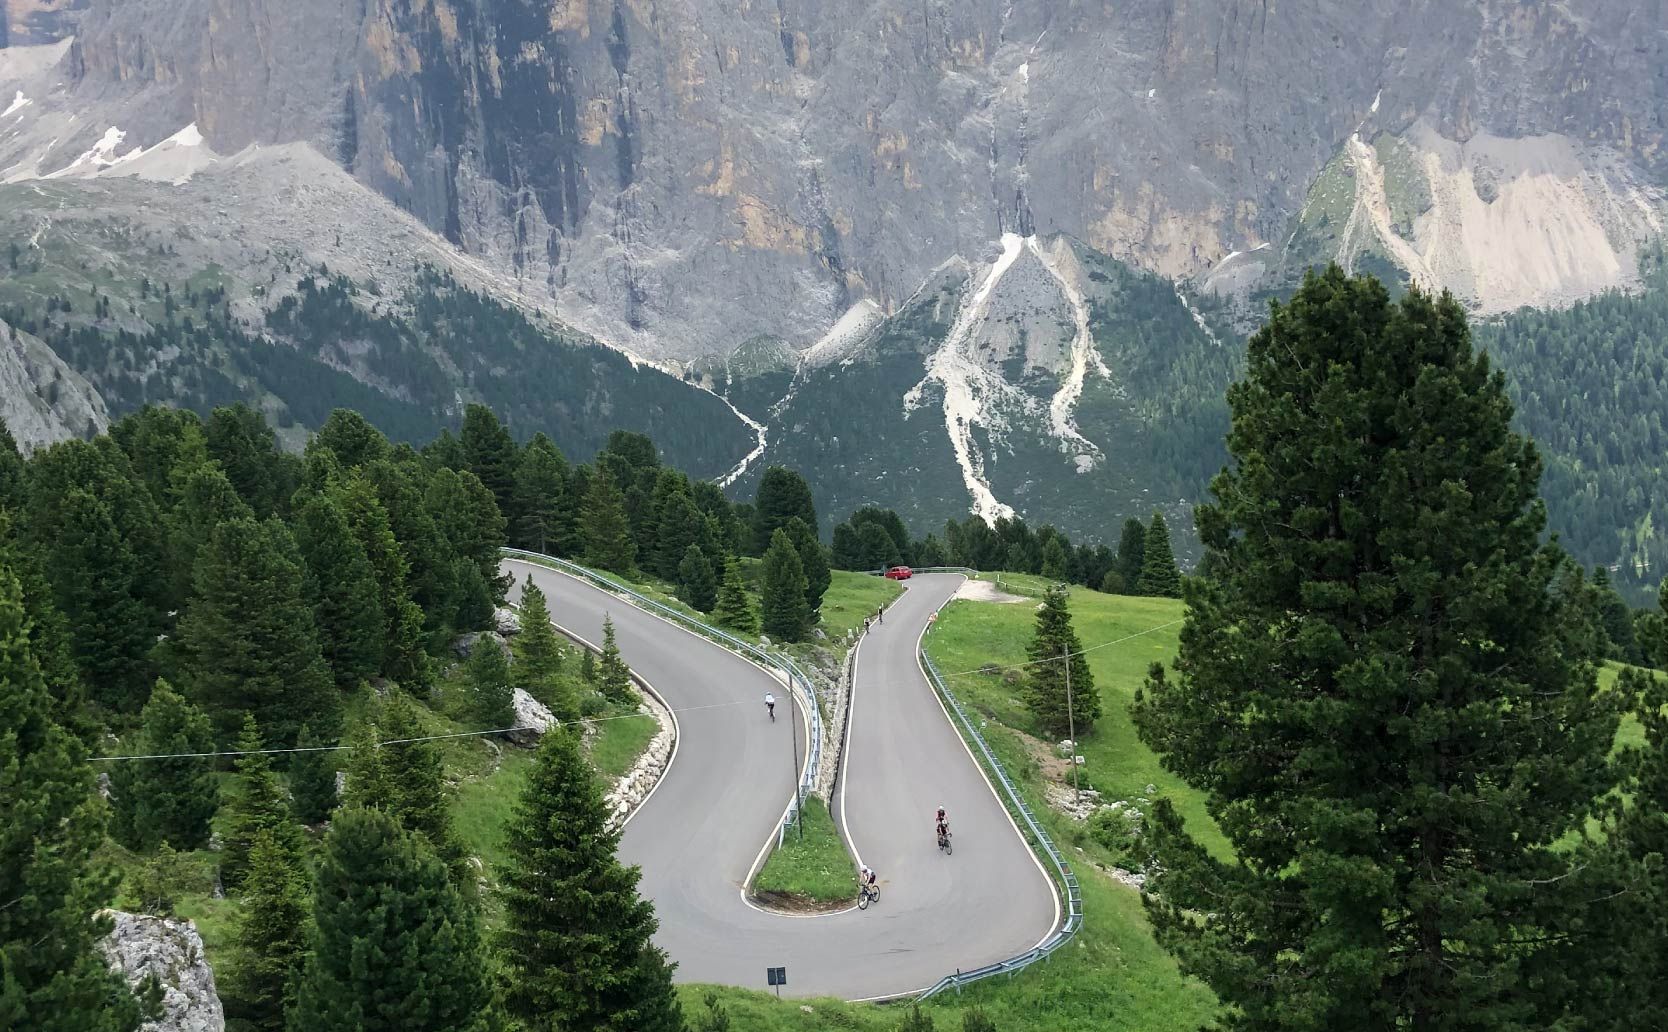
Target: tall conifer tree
(1159,575)
(813,558)
(784,614)
(538,656)
(697,585)
(169,799)
(1371,688)
(52,977)
(250,634)
(735,607)
(271,943)
(1132,553)
(342,588)
(312,778)
(491,454)
(577,937)
(604,527)
(257,806)
(540,482)
(395,946)
(1052,650)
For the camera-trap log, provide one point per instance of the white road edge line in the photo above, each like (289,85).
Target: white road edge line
(745,659)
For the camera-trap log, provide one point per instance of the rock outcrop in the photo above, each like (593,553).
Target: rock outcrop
(680,179)
(532,719)
(635,784)
(42,400)
(141,947)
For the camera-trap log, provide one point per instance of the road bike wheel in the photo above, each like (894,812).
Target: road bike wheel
(863,899)
(949,847)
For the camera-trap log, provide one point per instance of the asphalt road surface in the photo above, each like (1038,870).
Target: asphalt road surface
(700,834)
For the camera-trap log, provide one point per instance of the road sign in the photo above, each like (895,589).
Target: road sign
(778,977)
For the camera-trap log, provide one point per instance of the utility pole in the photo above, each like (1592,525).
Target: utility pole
(798,785)
(1071,725)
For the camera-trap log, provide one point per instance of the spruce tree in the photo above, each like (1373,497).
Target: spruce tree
(13,487)
(813,557)
(257,806)
(403,657)
(312,779)
(342,588)
(94,578)
(540,481)
(271,942)
(878,550)
(576,942)
(469,521)
(697,584)
(783,613)
(49,633)
(171,798)
(1371,689)
(394,947)
(206,500)
(52,977)
(782,495)
(1159,576)
(490,454)
(240,439)
(613,676)
(1132,553)
(735,610)
(351,438)
(931,552)
(492,702)
(251,637)
(1053,648)
(1615,619)
(847,553)
(538,657)
(409,783)
(1054,560)
(604,527)
(679,524)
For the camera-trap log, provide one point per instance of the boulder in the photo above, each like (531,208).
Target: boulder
(141,945)
(532,719)
(506,620)
(464,644)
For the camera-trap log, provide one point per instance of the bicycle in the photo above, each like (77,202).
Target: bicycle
(867,894)
(944,842)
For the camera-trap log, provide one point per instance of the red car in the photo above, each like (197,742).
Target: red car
(900,573)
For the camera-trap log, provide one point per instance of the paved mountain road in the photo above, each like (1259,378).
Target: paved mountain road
(699,834)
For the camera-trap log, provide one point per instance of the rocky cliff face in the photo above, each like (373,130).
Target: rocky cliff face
(679,176)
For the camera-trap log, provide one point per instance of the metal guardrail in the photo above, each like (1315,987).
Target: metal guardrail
(1068,880)
(796,678)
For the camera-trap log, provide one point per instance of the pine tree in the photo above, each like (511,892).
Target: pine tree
(247,449)
(577,938)
(206,500)
(403,657)
(588,666)
(1615,618)
(783,613)
(52,977)
(351,438)
(847,553)
(1371,691)
(271,943)
(604,528)
(1046,676)
(13,487)
(538,656)
(94,578)
(490,453)
(614,677)
(1159,575)
(251,637)
(312,779)
(409,783)
(697,584)
(166,800)
(1054,560)
(1132,553)
(342,588)
(469,520)
(49,633)
(782,495)
(678,525)
(493,702)
(813,557)
(257,807)
(540,481)
(394,947)
(735,607)
(931,553)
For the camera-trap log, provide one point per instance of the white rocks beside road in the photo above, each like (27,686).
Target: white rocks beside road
(635,784)
(141,946)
